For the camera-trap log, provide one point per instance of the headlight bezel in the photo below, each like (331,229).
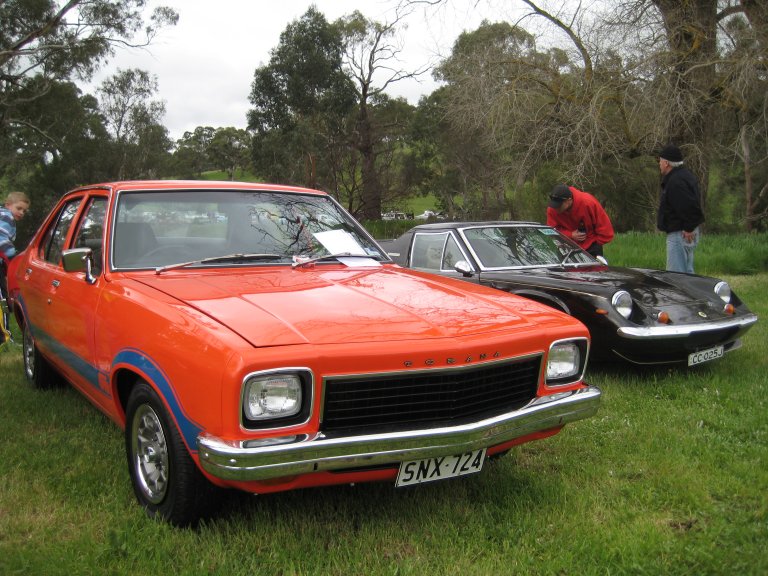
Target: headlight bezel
(559,351)
(304,380)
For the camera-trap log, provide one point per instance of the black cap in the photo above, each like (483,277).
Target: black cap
(559,194)
(671,153)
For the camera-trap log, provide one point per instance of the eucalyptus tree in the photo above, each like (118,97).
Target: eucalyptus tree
(69,149)
(372,61)
(743,138)
(389,118)
(513,107)
(300,100)
(134,119)
(616,81)
(49,41)
(229,150)
(709,66)
(191,156)
(433,163)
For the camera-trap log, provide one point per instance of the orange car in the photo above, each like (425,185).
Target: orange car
(254,336)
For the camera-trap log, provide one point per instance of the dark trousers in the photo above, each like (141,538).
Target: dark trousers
(596,249)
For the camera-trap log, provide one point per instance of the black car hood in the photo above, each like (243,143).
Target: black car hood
(650,287)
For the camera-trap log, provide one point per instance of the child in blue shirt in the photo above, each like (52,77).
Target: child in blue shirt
(16,207)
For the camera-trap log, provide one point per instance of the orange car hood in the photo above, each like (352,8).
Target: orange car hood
(331,306)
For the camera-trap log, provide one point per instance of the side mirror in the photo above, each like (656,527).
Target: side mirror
(602,259)
(463,268)
(79,260)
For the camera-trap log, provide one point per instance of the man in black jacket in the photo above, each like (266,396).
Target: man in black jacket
(679,209)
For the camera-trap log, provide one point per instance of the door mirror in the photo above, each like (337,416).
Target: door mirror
(79,260)
(463,268)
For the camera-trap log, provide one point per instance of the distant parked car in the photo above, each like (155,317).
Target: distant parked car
(639,316)
(265,343)
(427,214)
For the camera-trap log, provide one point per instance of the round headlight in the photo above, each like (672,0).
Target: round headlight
(723,290)
(622,302)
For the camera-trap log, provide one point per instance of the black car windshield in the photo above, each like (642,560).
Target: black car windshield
(520,246)
(156,229)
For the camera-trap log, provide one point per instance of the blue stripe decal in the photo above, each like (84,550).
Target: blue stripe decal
(189,429)
(82,367)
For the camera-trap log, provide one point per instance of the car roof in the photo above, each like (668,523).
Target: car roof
(134,185)
(469,224)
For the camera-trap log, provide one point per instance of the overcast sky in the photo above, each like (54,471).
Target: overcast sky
(205,64)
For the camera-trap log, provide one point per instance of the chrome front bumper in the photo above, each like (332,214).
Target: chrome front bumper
(304,454)
(684,330)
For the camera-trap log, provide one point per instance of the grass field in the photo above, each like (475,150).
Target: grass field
(669,478)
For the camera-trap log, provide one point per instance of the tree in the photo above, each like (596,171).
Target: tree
(46,41)
(709,79)
(619,81)
(191,157)
(134,121)
(67,151)
(371,61)
(745,103)
(432,162)
(513,108)
(229,150)
(52,136)
(300,101)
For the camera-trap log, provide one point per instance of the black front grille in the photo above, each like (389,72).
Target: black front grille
(440,397)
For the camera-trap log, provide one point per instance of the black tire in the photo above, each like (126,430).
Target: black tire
(165,479)
(36,368)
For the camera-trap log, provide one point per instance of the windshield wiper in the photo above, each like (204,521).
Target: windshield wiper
(238,257)
(298,261)
(568,254)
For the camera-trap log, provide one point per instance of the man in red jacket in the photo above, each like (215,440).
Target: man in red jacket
(579,216)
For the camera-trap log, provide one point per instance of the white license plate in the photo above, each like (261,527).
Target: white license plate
(440,468)
(705,355)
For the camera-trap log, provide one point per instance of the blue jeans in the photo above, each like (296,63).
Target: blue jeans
(680,252)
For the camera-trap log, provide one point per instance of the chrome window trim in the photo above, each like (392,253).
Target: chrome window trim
(534,225)
(448,234)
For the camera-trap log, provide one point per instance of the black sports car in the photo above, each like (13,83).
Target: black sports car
(641,316)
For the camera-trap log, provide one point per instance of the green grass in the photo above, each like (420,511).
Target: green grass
(669,478)
(716,255)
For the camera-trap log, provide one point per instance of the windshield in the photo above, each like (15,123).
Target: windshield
(518,246)
(156,229)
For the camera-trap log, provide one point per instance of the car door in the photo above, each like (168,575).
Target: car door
(439,252)
(74,303)
(40,276)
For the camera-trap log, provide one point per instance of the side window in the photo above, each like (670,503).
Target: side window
(427,252)
(53,243)
(452,254)
(90,234)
